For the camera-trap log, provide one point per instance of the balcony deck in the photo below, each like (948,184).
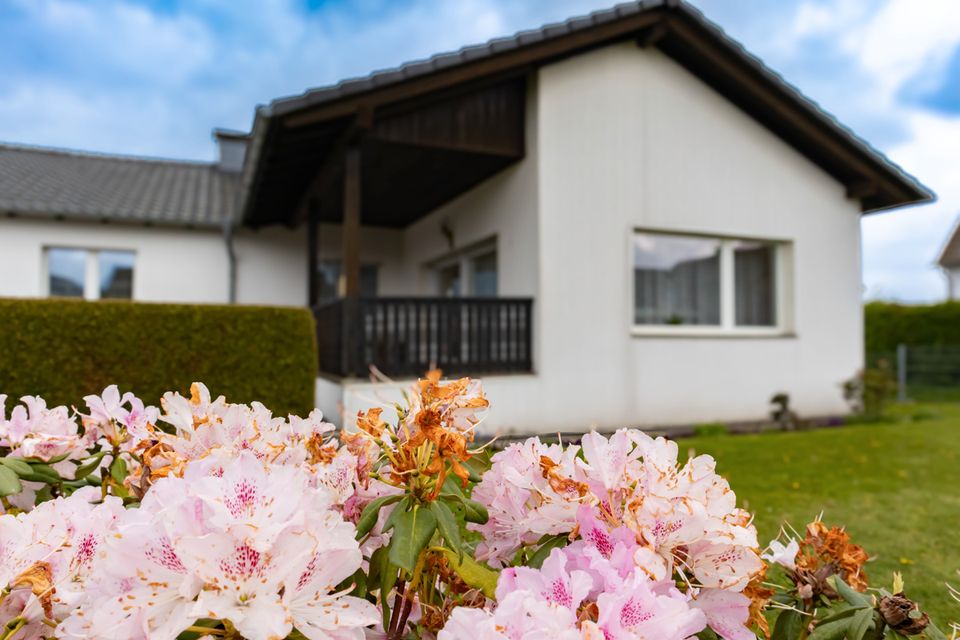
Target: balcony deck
(406,336)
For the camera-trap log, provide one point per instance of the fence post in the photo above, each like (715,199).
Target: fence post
(901,373)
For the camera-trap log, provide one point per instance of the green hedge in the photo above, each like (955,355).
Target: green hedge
(65,349)
(889,324)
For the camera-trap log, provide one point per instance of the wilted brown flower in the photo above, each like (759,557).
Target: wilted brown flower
(825,552)
(903,615)
(39,578)
(759,597)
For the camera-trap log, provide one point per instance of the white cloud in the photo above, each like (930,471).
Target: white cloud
(900,247)
(903,39)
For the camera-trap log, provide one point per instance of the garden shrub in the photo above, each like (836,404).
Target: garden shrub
(65,349)
(889,324)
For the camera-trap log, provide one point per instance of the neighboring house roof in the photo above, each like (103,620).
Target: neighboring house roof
(55,183)
(673,26)
(950,253)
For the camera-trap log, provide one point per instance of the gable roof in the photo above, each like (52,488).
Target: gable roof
(60,184)
(673,26)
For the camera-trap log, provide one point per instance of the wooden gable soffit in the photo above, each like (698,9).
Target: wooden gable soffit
(354,134)
(506,62)
(488,121)
(652,35)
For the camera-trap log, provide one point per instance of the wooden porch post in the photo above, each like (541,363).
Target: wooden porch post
(313,277)
(351,221)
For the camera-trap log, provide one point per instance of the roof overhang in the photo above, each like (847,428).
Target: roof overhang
(297,141)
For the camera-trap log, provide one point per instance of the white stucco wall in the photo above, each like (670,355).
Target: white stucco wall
(172,265)
(623,139)
(628,140)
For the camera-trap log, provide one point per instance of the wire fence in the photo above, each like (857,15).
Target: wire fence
(926,373)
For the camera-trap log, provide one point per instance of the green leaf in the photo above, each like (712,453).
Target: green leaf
(9,482)
(355,585)
(932,632)
(833,630)
(388,578)
(860,624)
(412,532)
(40,472)
(88,467)
(372,512)
(853,597)
(448,526)
(473,511)
(553,542)
(788,626)
(118,469)
(473,573)
(398,511)
(17,465)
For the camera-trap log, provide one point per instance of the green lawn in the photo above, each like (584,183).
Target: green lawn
(895,485)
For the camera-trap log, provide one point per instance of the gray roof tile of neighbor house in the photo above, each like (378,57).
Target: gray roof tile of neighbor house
(61,184)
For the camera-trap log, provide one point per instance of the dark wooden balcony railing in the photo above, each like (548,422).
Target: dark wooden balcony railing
(407,336)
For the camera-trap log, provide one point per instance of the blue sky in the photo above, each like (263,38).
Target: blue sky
(154,77)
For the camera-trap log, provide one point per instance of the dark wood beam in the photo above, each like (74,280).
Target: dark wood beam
(351,220)
(313,276)
(362,121)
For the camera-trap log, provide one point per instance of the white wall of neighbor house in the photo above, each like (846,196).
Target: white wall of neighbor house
(952,275)
(171,265)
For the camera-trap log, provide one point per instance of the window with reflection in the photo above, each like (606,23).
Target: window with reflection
(682,280)
(66,272)
(676,280)
(330,285)
(90,273)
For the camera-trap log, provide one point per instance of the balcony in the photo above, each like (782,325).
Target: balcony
(404,337)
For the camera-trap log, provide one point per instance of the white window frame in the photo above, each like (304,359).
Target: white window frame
(91,273)
(783,294)
(464,259)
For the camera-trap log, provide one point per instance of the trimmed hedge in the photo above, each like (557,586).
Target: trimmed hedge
(65,349)
(889,324)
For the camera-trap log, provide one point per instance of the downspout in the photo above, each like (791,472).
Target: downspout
(231,261)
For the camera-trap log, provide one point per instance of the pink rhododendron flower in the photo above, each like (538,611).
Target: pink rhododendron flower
(523,504)
(233,540)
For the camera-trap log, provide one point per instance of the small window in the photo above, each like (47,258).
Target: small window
(469,272)
(67,269)
(485,275)
(89,273)
(116,274)
(704,283)
(330,285)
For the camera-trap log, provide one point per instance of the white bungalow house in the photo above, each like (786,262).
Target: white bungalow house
(621,220)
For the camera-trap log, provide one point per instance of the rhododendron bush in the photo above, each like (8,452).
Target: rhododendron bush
(206,519)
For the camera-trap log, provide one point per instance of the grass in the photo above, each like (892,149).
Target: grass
(895,486)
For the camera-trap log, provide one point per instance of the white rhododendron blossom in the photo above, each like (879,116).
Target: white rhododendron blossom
(232,540)
(206,519)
